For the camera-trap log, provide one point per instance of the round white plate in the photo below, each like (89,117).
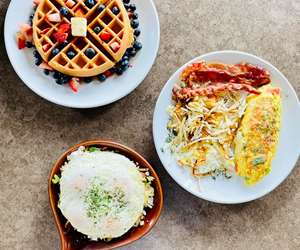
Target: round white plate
(233,190)
(90,95)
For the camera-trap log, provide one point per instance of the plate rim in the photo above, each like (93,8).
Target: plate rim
(78,105)
(155,115)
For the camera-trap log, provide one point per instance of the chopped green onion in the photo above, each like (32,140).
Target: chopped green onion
(55,179)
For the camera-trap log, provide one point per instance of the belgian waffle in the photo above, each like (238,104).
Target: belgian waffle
(80,65)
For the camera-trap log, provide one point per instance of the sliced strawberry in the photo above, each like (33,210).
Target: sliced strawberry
(108,73)
(60,37)
(55,18)
(130,13)
(45,65)
(64,28)
(79,13)
(46,47)
(115,46)
(105,36)
(21,40)
(36,2)
(44,31)
(27,31)
(70,3)
(74,83)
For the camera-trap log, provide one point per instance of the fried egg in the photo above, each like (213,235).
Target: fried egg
(258,135)
(102,193)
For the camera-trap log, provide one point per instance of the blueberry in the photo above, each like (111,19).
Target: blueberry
(101,78)
(38,61)
(97,29)
(137,32)
(90,3)
(126,6)
(64,79)
(134,23)
(126,1)
(132,7)
(57,75)
(55,51)
(118,71)
(90,53)
(71,54)
(137,45)
(125,58)
(59,81)
(63,44)
(131,51)
(135,15)
(36,54)
(46,71)
(124,63)
(29,45)
(88,79)
(101,7)
(115,10)
(64,11)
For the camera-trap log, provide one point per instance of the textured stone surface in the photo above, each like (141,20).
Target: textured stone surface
(35,132)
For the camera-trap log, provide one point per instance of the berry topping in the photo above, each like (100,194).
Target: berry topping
(135,15)
(90,3)
(105,36)
(71,54)
(74,83)
(115,10)
(26,31)
(137,32)
(46,66)
(46,47)
(132,7)
(55,18)
(137,45)
(115,46)
(64,11)
(90,53)
(55,51)
(44,31)
(126,6)
(101,7)
(29,45)
(134,23)
(36,2)
(60,37)
(21,40)
(101,77)
(131,51)
(97,29)
(70,3)
(126,1)
(64,28)
(88,79)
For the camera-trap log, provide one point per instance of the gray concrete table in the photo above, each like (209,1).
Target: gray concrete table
(34,132)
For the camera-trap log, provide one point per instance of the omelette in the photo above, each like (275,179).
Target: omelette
(257,137)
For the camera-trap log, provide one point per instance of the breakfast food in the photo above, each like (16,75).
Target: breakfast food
(258,135)
(82,39)
(103,194)
(212,102)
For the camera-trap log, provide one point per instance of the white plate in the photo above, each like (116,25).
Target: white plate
(90,95)
(234,190)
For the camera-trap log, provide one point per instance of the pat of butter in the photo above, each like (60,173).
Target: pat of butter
(78,26)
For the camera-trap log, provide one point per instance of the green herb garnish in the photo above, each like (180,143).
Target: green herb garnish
(55,180)
(93,149)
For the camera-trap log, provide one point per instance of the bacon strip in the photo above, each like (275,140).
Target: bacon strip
(188,93)
(244,73)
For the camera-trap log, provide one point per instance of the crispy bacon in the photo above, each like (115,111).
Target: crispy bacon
(243,73)
(188,93)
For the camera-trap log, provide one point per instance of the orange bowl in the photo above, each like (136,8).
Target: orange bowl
(73,240)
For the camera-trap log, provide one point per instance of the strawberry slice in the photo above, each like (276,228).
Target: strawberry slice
(74,83)
(130,14)
(79,13)
(21,40)
(64,28)
(44,31)
(70,3)
(45,65)
(115,46)
(60,37)
(27,31)
(105,36)
(46,47)
(55,18)
(108,73)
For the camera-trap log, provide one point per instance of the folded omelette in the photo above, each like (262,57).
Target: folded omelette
(257,137)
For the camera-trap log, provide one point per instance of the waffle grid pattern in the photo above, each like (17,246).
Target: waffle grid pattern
(80,65)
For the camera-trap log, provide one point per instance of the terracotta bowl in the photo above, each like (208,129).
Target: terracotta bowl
(73,240)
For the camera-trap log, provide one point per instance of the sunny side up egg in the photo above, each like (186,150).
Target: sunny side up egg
(101,193)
